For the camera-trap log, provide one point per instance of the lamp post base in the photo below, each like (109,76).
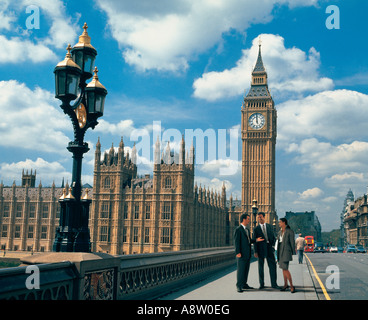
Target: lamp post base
(73,233)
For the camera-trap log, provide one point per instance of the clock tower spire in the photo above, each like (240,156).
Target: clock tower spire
(258,125)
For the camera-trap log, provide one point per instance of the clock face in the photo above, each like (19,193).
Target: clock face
(256,121)
(81,115)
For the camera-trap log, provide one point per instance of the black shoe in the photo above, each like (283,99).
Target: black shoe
(284,288)
(276,287)
(292,290)
(239,290)
(261,287)
(247,287)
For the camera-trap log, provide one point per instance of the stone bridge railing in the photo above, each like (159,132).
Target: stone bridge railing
(97,276)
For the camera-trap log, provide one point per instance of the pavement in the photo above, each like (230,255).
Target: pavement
(16,254)
(221,286)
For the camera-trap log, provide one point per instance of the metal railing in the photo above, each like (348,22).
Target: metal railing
(142,276)
(151,275)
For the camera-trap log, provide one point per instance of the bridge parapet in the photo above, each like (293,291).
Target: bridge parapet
(96,276)
(151,275)
(57,282)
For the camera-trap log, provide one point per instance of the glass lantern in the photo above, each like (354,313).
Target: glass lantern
(84,54)
(95,95)
(67,77)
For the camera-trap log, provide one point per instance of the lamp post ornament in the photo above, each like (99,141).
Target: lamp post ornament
(72,234)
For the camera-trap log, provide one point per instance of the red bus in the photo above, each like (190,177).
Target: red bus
(309,244)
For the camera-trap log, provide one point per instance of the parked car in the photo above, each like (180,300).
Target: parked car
(340,249)
(351,248)
(361,249)
(319,247)
(333,249)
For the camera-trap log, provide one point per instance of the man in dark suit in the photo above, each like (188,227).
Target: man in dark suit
(265,249)
(242,242)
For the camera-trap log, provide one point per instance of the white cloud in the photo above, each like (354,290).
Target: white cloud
(214,184)
(323,158)
(165,36)
(331,199)
(6,17)
(346,177)
(311,193)
(18,43)
(46,172)
(16,50)
(330,114)
(30,119)
(290,71)
(343,182)
(222,167)
(122,128)
(310,200)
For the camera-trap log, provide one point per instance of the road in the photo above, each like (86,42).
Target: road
(343,275)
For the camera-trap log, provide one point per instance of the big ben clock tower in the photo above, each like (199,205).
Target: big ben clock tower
(258,125)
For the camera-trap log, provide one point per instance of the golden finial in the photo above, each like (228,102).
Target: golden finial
(68,48)
(95,71)
(86,195)
(64,194)
(95,82)
(70,196)
(68,61)
(84,38)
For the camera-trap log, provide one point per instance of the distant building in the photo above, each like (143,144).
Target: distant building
(28,216)
(306,223)
(356,221)
(348,199)
(29,179)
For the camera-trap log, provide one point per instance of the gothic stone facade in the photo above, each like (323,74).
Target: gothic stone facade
(28,217)
(164,213)
(128,214)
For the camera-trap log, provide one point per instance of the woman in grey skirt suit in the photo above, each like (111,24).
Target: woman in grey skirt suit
(285,251)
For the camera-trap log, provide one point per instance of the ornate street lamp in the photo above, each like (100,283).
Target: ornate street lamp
(254,211)
(71,74)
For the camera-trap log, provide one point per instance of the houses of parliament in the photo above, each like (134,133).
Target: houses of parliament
(165,212)
(129,214)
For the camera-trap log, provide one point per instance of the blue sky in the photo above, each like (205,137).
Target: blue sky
(186,64)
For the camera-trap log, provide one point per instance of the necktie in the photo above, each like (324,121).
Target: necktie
(246,232)
(264,232)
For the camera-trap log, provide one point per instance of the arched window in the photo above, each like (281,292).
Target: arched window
(107,183)
(168,183)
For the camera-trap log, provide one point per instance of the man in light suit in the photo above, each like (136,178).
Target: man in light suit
(242,243)
(265,249)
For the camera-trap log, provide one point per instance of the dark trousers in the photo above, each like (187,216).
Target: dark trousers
(242,272)
(271,262)
(300,255)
